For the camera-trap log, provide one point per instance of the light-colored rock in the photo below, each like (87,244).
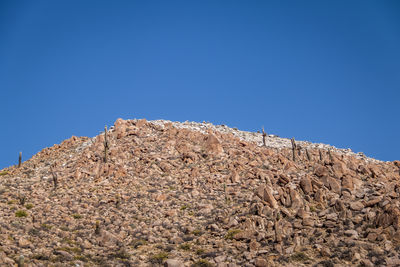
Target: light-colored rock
(173,263)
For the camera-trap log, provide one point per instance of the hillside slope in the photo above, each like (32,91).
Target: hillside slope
(207,196)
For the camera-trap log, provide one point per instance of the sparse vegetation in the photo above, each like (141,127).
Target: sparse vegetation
(185,246)
(77,216)
(3,173)
(121,254)
(159,258)
(97,228)
(29,206)
(40,257)
(231,233)
(184,207)
(46,226)
(202,263)
(22,199)
(299,256)
(200,251)
(197,232)
(74,250)
(21,213)
(138,242)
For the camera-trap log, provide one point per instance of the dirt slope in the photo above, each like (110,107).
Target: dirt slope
(174,196)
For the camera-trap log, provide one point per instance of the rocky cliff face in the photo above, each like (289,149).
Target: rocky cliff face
(174,195)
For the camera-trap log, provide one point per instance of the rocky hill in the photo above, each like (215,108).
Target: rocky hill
(194,194)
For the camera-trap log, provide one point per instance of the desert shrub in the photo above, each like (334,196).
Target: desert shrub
(21,213)
(159,258)
(299,256)
(231,233)
(185,246)
(76,216)
(202,263)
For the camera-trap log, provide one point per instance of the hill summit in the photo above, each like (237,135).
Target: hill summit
(161,193)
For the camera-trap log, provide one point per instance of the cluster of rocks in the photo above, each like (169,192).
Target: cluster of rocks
(272,140)
(186,195)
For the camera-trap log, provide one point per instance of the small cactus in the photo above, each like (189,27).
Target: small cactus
(97,228)
(22,199)
(21,261)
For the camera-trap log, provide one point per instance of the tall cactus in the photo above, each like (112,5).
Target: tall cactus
(19,159)
(264,135)
(106,145)
(293,148)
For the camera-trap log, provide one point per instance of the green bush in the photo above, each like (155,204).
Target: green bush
(185,246)
(231,233)
(202,263)
(159,258)
(21,213)
(77,216)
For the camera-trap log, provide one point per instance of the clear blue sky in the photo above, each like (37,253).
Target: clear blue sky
(323,71)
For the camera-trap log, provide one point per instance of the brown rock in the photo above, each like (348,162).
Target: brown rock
(120,127)
(161,197)
(356,206)
(373,202)
(334,185)
(306,185)
(339,169)
(141,123)
(347,182)
(384,220)
(372,237)
(212,145)
(260,262)
(244,235)
(297,201)
(319,196)
(321,171)
(65,255)
(173,263)
(234,177)
(23,243)
(254,245)
(308,221)
(269,197)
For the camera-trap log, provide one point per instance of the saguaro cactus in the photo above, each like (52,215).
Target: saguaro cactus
(293,148)
(330,155)
(21,261)
(106,145)
(308,155)
(19,159)
(97,228)
(264,135)
(55,180)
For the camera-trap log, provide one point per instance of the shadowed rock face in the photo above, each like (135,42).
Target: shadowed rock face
(177,196)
